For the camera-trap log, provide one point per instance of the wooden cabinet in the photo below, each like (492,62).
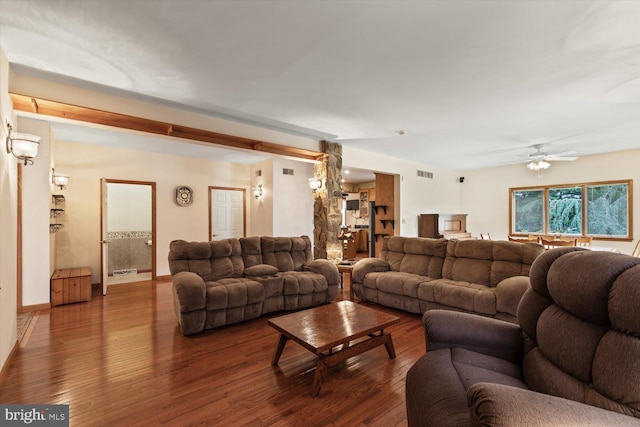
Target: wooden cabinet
(70,285)
(385,220)
(449,226)
(428,226)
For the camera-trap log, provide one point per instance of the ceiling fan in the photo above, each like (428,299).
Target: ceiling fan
(539,160)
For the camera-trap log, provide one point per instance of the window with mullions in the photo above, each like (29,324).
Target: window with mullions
(601,210)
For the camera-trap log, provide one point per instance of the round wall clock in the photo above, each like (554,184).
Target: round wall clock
(184,195)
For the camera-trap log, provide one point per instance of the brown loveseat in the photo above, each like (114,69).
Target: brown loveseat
(418,274)
(573,360)
(229,281)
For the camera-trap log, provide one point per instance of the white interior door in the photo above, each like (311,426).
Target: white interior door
(226,213)
(104,250)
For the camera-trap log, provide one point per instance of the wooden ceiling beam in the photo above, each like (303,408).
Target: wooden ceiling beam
(90,115)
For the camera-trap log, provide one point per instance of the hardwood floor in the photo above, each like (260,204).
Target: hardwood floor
(120,360)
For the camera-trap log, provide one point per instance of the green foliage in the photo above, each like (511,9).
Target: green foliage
(528,211)
(607,210)
(565,210)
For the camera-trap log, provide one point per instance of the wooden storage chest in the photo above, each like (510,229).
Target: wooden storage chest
(70,285)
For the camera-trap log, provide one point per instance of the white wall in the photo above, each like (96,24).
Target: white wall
(485,192)
(129,207)
(293,199)
(261,216)
(8,223)
(86,164)
(415,195)
(36,205)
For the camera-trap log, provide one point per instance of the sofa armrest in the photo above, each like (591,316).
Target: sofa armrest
(325,267)
(509,293)
(445,329)
(502,405)
(190,290)
(366,266)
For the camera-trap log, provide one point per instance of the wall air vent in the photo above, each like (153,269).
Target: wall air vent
(286,171)
(425,174)
(259,172)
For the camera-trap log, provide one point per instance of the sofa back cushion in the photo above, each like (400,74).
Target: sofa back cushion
(415,255)
(210,260)
(582,319)
(286,253)
(488,262)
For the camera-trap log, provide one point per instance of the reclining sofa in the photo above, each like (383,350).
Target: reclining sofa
(573,359)
(417,274)
(229,281)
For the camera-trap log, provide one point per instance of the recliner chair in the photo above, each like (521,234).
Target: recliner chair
(574,358)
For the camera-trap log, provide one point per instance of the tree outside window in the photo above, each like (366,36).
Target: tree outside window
(560,209)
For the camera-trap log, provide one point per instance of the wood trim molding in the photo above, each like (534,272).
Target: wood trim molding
(35,307)
(90,115)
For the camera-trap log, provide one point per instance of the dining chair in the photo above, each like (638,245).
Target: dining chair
(636,251)
(518,239)
(550,244)
(584,241)
(485,236)
(533,238)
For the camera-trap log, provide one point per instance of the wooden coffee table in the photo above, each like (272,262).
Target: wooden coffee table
(322,329)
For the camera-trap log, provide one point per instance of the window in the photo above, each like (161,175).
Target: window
(601,210)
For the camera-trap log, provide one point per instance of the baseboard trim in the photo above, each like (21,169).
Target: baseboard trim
(167,277)
(6,362)
(35,307)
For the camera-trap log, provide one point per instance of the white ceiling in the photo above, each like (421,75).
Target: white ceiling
(471,83)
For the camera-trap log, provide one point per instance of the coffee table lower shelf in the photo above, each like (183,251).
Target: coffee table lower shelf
(328,331)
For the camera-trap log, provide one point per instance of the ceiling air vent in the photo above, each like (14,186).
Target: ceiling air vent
(425,174)
(286,171)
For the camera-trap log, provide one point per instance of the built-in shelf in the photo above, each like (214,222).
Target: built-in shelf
(55,213)
(383,207)
(387,221)
(54,228)
(58,199)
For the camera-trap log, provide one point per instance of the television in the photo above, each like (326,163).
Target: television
(353,205)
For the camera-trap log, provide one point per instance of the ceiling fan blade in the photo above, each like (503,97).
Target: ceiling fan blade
(563,154)
(560,159)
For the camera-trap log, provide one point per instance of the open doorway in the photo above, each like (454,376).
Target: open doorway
(358,214)
(128,232)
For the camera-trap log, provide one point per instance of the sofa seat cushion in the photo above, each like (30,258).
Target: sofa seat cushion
(443,376)
(229,293)
(395,282)
(467,296)
(303,282)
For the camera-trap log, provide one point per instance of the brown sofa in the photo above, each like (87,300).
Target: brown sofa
(573,360)
(418,274)
(229,281)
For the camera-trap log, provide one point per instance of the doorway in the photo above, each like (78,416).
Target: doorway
(227,212)
(128,224)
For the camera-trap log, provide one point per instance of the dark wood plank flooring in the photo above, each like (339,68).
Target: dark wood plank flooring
(120,360)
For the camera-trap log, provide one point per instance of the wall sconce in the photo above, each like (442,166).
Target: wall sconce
(315,184)
(23,146)
(59,179)
(257,191)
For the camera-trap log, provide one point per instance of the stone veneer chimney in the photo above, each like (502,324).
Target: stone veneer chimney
(327,205)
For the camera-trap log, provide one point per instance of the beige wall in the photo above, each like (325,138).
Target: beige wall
(485,192)
(8,223)
(86,164)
